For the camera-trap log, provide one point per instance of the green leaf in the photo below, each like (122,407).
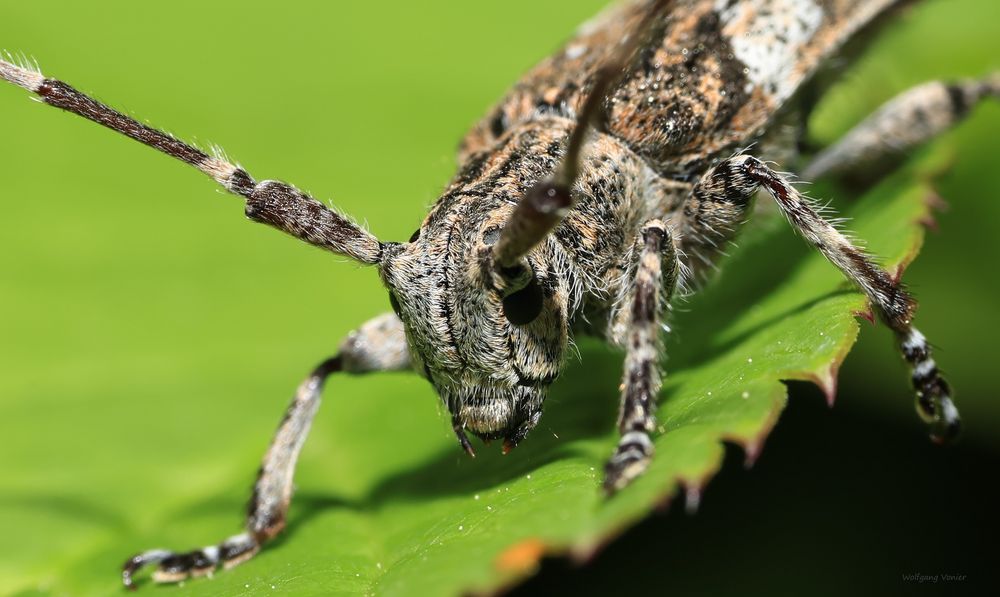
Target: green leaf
(151,340)
(388,504)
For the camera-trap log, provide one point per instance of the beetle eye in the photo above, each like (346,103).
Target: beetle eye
(395,303)
(415,235)
(523,306)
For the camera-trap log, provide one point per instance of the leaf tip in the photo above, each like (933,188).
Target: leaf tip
(753,444)
(865,314)
(826,381)
(934,204)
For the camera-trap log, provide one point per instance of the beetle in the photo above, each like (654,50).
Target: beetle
(610,175)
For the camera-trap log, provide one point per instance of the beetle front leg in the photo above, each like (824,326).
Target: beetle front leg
(886,293)
(734,181)
(653,283)
(378,345)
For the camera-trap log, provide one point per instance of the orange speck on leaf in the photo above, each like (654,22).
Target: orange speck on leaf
(521,556)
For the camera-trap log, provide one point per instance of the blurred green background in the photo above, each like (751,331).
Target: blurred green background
(136,305)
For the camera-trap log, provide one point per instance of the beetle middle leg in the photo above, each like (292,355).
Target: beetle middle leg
(653,282)
(378,345)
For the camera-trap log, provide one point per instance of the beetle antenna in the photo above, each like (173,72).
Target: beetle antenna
(546,203)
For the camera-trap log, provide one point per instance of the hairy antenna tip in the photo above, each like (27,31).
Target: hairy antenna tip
(20,73)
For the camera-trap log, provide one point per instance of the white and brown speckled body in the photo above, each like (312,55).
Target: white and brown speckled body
(716,74)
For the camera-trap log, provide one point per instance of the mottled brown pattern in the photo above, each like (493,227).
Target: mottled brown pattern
(290,210)
(688,100)
(687,97)
(60,95)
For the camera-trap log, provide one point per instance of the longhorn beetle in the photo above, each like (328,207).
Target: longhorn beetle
(612,174)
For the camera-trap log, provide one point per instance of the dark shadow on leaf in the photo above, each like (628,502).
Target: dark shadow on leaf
(767,257)
(74,507)
(706,352)
(583,405)
(308,505)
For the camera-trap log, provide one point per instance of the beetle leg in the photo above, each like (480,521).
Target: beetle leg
(655,277)
(890,299)
(378,345)
(710,217)
(743,175)
(909,119)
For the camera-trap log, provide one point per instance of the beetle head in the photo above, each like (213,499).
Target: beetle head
(490,352)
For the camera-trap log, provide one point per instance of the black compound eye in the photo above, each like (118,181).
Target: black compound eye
(395,303)
(523,306)
(415,235)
